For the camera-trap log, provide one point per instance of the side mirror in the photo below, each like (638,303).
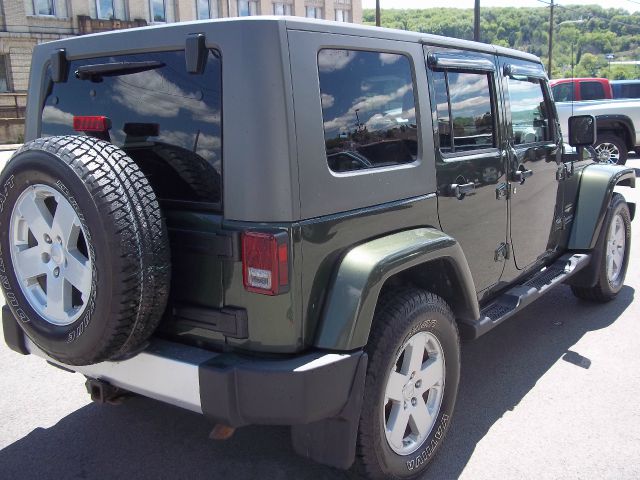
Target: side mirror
(582,130)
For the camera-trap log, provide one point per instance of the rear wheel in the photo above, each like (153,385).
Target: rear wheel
(614,244)
(411,385)
(611,149)
(84,249)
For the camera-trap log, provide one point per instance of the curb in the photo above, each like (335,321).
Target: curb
(9,147)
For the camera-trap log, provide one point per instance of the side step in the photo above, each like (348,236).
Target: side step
(519,296)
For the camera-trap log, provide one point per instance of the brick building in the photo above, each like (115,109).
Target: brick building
(25,23)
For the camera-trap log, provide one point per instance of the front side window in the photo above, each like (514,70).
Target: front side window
(282,9)
(247,8)
(43,7)
(313,12)
(169,122)
(104,9)
(465,111)
(591,91)
(158,13)
(563,92)
(368,109)
(529,112)
(4,77)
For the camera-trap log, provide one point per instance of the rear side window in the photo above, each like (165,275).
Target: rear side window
(591,91)
(529,113)
(563,92)
(465,111)
(167,120)
(368,109)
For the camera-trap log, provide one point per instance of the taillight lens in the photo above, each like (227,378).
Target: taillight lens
(265,262)
(91,123)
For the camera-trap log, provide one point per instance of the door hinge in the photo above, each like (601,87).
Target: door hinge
(503,252)
(503,191)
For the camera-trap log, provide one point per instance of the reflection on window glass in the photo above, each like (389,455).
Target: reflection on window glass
(4,79)
(368,109)
(167,120)
(528,111)
(313,12)
(282,9)
(442,107)
(202,7)
(563,92)
(104,9)
(465,115)
(157,11)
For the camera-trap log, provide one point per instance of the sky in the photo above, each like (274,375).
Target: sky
(629,5)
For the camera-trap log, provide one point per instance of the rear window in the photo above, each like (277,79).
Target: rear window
(368,108)
(591,91)
(167,120)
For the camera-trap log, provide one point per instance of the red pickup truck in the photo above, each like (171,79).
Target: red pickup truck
(568,89)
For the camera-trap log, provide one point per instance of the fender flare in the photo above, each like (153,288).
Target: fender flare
(363,270)
(597,182)
(604,122)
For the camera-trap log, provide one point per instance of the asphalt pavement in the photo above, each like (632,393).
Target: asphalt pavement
(550,394)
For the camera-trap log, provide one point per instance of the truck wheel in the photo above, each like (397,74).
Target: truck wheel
(611,149)
(84,250)
(614,244)
(411,385)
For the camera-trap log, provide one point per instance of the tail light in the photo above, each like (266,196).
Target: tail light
(91,123)
(265,262)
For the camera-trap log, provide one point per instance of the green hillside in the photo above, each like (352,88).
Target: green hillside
(596,33)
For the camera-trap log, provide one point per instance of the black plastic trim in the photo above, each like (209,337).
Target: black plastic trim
(59,66)
(13,334)
(239,391)
(231,322)
(220,244)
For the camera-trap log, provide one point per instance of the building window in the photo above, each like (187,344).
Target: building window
(314,12)
(342,15)
(247,8)
(43,7)
(282,9)
(206,9)
(4,74)
(104,9)
(158,13)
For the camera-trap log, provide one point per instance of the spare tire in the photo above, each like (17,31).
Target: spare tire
(84,249)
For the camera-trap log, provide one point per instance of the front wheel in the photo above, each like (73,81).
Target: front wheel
(614,244)
(411,385)
(611,149)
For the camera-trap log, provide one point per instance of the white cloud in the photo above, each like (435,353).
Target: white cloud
(333,60)
(55,115)
(327,100)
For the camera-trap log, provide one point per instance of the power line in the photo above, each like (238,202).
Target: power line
(591,15)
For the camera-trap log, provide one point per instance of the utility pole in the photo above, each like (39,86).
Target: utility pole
(551,6)
(476,21)
(377,13)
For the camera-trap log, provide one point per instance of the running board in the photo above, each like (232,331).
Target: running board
(519,296)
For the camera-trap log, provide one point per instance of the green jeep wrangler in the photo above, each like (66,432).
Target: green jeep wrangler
(293,222)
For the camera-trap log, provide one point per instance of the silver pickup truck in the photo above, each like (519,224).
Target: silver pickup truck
(618,125)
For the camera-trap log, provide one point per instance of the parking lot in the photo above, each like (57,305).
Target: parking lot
(552,393)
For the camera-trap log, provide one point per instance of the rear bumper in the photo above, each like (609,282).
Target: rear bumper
(227,388)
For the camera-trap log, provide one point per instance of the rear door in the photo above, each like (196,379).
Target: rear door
(533,146)
(470,163)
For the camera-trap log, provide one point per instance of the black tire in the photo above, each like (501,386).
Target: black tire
(605,290)
(408,312)
(194,170)
(127,244)
(619,144)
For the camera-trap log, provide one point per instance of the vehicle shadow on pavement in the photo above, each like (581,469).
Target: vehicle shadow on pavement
(146,439)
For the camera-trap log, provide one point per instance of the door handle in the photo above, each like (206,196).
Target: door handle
(522,174)
(461,190)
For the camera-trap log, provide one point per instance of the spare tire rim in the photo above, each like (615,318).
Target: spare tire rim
(608,153)
(50,255)
(413,393)
(616,249)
